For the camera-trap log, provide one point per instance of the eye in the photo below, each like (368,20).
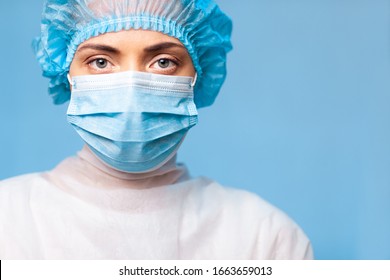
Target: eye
(100,64)
(164,65)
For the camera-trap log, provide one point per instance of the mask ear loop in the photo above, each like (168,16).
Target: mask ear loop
(70,80)
(194,80)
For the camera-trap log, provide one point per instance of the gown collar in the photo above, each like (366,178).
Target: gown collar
(87,169)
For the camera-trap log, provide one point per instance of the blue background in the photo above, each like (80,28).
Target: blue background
(303,118)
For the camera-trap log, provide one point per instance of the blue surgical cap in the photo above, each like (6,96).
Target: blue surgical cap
(199,24)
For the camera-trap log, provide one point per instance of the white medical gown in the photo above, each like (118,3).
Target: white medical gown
(84,210)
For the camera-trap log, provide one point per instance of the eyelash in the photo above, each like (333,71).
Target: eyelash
(170,67)
(92,63)
(96,68)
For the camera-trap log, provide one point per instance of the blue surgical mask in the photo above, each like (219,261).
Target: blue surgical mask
(133,121)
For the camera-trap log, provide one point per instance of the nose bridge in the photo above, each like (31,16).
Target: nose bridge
(133,62)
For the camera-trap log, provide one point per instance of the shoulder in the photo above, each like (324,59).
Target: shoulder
(16,191)
(20,182)
(217,196)
(273,233)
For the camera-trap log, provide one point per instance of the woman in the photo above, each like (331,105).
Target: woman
(135,73)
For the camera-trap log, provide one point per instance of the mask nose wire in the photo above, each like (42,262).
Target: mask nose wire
(192,84)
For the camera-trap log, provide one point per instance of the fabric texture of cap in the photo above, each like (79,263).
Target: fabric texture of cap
(199,24)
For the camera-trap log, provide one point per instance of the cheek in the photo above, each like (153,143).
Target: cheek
(188,70)
(73,69)
(77,67)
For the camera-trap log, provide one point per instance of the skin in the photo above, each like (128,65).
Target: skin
(132,50)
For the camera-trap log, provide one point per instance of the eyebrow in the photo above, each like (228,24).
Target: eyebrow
(153,48)
(99,47)
(163,46)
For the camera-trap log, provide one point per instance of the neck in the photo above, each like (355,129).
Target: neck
(87,167)
(87,178)
(170,166)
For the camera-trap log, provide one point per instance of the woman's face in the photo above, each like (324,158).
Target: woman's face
(132,50)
